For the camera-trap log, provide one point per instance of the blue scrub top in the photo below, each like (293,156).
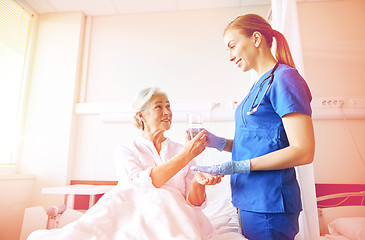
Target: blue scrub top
(263,132)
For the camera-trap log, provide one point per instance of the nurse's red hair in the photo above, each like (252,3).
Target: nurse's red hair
(251,23)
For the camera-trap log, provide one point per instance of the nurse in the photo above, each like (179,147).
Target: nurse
(273,133)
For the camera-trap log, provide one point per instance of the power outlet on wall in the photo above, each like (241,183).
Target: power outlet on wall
(216,105)
(224,105)
(334,102)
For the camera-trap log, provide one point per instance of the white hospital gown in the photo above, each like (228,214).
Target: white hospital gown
(134,164)
(135,209)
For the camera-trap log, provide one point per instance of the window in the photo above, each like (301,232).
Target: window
(15,34)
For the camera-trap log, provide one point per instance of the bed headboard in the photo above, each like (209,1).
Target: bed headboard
(339,200)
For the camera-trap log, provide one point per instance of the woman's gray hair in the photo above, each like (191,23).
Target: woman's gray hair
(141,101)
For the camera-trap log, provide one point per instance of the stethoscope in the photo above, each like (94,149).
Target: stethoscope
(253,110)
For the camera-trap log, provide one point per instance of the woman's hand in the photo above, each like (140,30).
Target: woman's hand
(196,145)
(207,179)
(197,189)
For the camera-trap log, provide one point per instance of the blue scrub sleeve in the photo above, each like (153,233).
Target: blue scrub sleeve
(290,93)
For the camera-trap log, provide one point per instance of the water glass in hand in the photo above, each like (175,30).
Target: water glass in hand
(195,124)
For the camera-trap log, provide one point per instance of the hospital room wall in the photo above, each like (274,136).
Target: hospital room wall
(334,59)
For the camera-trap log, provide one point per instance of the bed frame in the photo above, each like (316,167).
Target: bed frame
(339,200)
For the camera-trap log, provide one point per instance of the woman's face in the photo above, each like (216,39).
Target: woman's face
(158,115)
(241,49)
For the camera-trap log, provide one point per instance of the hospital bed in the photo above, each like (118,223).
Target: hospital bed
(341,211)
(219,210)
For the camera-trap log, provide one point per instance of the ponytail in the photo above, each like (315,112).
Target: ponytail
(283,54)
(251,23)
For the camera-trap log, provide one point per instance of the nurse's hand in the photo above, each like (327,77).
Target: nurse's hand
(213,141)
(207,179)
(227,168)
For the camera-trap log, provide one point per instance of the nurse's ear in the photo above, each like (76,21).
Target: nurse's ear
(257,38)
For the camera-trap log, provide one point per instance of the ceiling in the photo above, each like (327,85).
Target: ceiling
(115,7)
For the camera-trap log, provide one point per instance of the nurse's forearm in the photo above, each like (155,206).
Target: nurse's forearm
(284,158)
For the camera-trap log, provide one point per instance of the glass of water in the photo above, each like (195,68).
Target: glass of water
(195,124)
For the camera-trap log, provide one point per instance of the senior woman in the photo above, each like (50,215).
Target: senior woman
(153,161)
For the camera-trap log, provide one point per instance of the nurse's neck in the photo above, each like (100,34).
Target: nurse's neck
(265,65)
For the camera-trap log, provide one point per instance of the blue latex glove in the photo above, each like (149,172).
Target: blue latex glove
(215,142)
(227,168)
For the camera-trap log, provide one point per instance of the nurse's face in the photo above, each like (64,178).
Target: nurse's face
(242,50)
(157,117)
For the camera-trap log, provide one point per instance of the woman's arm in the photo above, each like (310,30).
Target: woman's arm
(164,172)
(300,133)
(196,194)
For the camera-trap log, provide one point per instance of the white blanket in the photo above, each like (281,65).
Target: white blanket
(147,213)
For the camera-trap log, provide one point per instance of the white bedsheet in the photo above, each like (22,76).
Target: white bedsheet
(160,214)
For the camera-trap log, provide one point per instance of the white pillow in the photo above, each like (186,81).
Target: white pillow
(352,227)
